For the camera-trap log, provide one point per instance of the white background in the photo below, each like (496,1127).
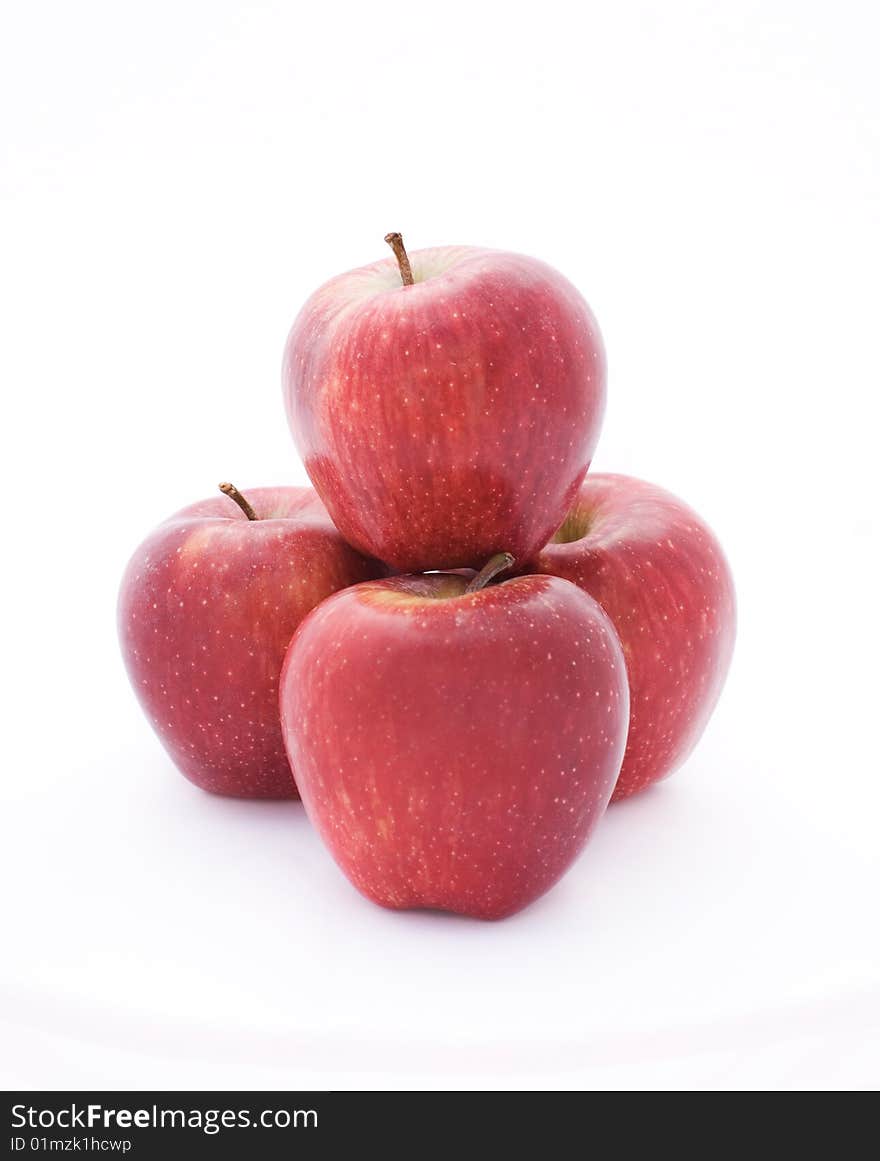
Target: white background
(176,177)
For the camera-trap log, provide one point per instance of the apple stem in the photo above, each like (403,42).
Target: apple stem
(501,562)
(395,241)
(233,493)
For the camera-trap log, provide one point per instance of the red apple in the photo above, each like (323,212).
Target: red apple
(455,749)
(207,608)
(450,418)
(660,575)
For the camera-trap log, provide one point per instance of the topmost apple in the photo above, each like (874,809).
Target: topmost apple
(446,407)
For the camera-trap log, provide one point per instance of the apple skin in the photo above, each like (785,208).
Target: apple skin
(455,750)
(661,576)
(207,607)
(452,419)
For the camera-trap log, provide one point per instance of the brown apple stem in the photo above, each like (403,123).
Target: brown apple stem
(233,493)
(395,241)
(501,562)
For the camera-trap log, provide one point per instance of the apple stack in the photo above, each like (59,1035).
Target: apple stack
(460,646)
